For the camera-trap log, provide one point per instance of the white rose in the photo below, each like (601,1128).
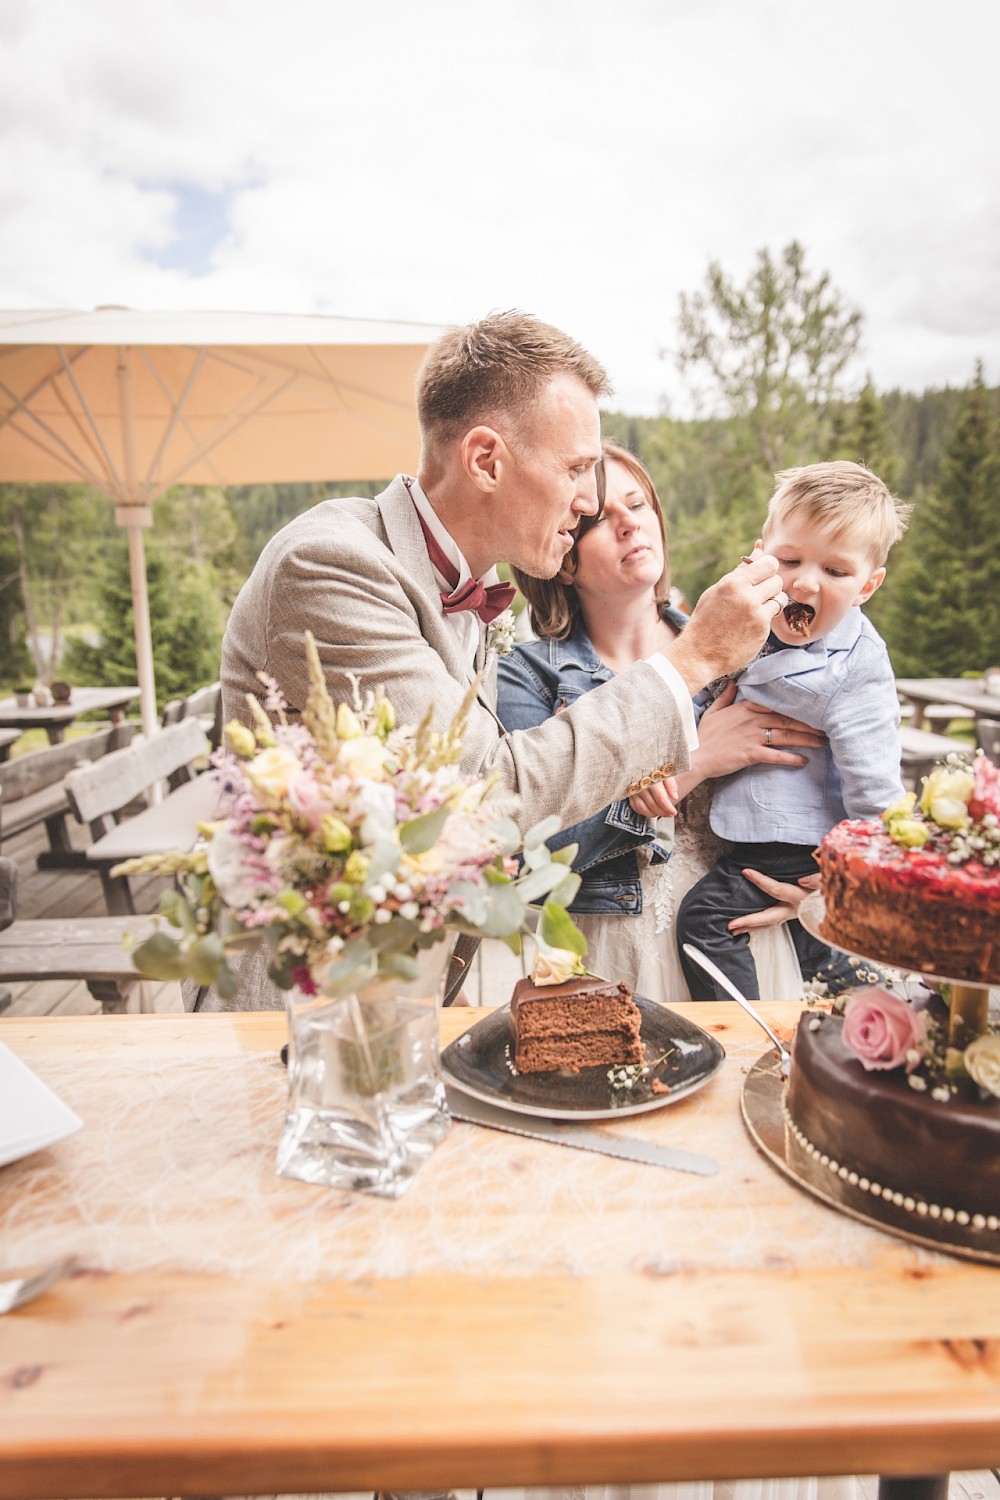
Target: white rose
(555,966)
(228,867)
(982,1062)
(272,772)
(375,804)
(363,756)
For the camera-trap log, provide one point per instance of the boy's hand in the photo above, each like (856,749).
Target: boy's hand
(657,801)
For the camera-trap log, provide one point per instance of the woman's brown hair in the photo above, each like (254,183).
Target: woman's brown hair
(552,602)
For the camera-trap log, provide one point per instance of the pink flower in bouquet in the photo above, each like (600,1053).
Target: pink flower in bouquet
(883,1031)
(985,796)
(307,800)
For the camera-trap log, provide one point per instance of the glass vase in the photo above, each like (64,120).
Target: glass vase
(366,1102)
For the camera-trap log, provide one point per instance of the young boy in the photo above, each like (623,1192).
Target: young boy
(831,527)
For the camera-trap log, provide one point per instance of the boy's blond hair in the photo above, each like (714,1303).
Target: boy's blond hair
(845,498)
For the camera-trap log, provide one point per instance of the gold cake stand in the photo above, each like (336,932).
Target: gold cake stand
(880,1206)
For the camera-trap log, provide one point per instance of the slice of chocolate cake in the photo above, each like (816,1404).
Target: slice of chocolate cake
(582,1023)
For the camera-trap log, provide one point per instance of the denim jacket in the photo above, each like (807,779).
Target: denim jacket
(538,679)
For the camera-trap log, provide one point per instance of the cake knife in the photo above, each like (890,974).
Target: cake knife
(584,1137)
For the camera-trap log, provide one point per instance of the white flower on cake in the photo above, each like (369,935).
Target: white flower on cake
(982,1062)
(555,966)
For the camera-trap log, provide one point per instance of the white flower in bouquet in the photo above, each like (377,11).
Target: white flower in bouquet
(500,634)
(349,844)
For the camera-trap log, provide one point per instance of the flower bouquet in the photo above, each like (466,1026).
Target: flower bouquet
(350,849)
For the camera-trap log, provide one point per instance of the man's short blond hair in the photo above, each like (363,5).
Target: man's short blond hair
(845,498)
(496,369)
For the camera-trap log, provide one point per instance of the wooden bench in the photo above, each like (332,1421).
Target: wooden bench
(204,704)
(87,948)
(33,790)
(100,795)
(920,750)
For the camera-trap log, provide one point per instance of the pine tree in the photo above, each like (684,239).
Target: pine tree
(944,616)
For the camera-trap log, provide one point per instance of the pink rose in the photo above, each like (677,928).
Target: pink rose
(306,799)
(985,789)
(880,1029)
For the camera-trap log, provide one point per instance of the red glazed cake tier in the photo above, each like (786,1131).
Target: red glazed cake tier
(910,907)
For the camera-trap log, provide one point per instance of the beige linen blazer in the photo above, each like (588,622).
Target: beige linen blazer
(356,573)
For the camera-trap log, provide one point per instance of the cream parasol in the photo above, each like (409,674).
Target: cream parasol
(133,402)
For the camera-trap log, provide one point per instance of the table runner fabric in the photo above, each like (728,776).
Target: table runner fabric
(175,1169)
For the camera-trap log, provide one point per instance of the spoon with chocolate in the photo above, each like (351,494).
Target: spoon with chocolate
(799,617)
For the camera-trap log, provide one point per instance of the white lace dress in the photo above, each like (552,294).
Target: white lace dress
(642,949)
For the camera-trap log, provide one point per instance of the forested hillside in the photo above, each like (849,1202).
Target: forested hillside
(772,371)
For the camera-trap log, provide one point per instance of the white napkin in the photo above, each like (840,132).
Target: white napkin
(31,1115)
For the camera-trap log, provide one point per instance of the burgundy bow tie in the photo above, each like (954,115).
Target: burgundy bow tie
(487,599)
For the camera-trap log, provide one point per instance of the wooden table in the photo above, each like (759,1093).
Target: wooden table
(963,692)
(7,738)
(55,718)
(686,1328)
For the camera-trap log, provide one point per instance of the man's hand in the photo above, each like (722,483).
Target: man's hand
(730,622)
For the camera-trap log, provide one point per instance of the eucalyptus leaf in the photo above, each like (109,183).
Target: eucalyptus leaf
(541,831)
(383,857)
(558,930)
(160,957)
(539,883)
(504,913)
(227,983)
(421,834)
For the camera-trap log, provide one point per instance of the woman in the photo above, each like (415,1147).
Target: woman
(606,609)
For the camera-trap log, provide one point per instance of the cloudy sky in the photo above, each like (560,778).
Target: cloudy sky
(432,161)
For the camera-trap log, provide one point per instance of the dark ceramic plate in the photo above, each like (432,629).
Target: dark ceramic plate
(677,1052)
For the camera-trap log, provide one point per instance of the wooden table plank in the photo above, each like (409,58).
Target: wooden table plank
(197,1384)
(962,692)
(55,718)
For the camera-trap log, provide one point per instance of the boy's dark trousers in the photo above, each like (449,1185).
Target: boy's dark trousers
(725,893)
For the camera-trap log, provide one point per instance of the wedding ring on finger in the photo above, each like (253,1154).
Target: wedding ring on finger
(768,740)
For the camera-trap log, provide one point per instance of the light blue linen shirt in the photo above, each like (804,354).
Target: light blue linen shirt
(842,684)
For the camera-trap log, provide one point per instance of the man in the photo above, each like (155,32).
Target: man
(510,436)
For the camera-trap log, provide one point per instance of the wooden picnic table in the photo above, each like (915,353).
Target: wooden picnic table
(7,738)
(55,718)
(964,692)
(524,1314)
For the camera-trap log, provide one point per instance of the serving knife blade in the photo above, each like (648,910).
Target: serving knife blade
(583,1137)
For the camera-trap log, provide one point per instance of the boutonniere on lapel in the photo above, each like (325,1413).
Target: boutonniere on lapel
(500,634)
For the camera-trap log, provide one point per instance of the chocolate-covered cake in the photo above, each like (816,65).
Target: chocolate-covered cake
(930,1151)
(581,1023)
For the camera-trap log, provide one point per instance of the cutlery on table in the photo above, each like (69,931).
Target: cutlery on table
(20,1289)
(730,989)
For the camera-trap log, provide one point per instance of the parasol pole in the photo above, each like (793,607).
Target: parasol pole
(135,516)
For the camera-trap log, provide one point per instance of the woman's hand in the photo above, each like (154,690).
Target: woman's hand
(788,897)
(733,735)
